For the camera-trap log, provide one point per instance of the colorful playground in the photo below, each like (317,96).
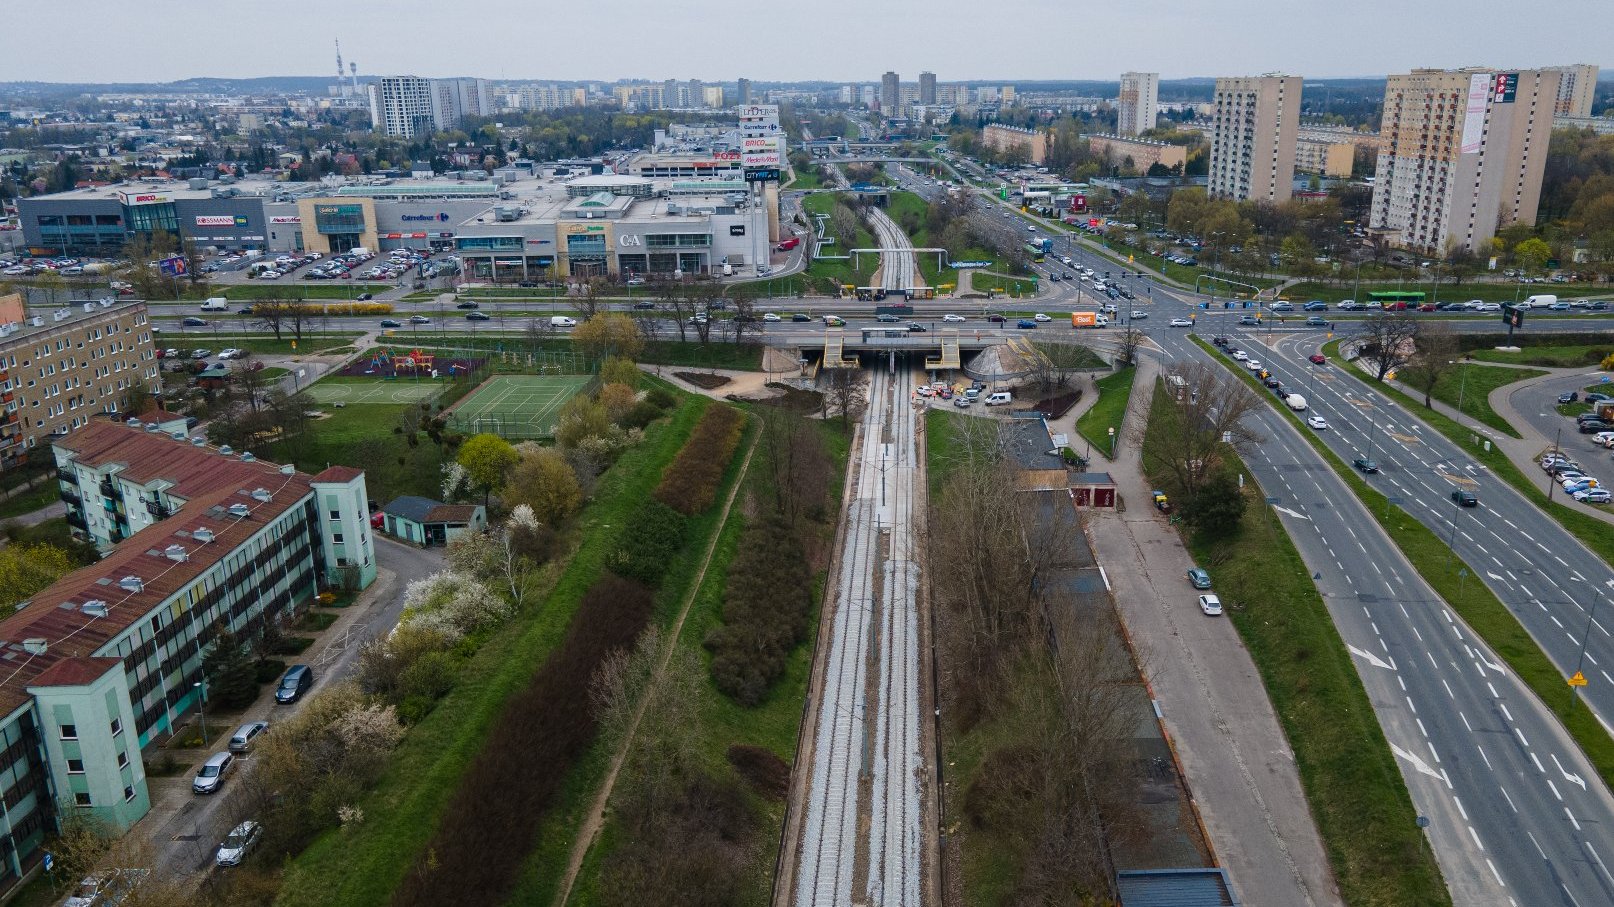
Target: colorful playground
(387,363)
(516,406)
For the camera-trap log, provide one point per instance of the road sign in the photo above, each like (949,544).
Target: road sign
(50,862)
(1579,680)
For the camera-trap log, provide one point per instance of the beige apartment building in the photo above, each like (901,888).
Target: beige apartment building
(1253,127)
(1464,155)
(1138,106)
(58,370)
(1001,138)
(1117,148)
(1326,156)
(1577,87)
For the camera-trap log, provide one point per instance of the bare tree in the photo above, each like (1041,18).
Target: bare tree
(745,321)
(1389,339)
(1127,341)
(1060,363)
(246,373)
(1209,405)
(294,315)
(845,394)
(594,289)
(1436,354)
(673,304)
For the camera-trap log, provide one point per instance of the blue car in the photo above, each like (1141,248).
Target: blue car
(1026,323)
(1316,305)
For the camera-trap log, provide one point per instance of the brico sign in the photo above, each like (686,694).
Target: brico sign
(142,198)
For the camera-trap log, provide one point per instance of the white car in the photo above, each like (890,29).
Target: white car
(1040,318)
(1240,355)
(770,317)
(229,353)
(1253,365)
(1181,323)
(1317,422)
(238,844)
(952,317)
(1138,314)
(1210,604)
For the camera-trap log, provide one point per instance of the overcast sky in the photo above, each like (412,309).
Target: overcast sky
(837,40)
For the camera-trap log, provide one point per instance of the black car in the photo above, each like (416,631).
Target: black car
(800,318)
(244,310)
(1316,305)
(915,327)
(390,323)
(1465,498)
(478,316)
(1593,426)
(194,322)
(1271,382)
(1570,397)
(467,305)
(1366,465)
(642,305)
(366,297)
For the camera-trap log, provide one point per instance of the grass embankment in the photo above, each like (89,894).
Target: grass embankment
(805,178)
(260,344)
(1471,386)
(1479,607)
(1355,791)
(1107,412)
(42,495)
(1013,287)
(1592,532)
(302,290)
(827,275)
(775,723)
(1449,292)
(1575,356)
(362,865)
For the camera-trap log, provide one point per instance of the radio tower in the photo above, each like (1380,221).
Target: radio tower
(340,84)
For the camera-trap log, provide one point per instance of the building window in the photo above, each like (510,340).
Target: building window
(123,758)
(336,538)
(117,726)
(81,799)
(128,793)
(69,732)
(75,766)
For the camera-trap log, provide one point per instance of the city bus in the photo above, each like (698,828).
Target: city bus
(1396,299)
(1035,251)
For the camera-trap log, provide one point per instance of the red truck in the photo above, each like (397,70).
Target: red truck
(788,244)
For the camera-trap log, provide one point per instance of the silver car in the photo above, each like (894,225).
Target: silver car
(238,844)
(210,777)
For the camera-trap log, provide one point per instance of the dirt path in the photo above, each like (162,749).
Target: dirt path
(596,811)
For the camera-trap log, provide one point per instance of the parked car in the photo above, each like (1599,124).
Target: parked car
(210,777)
(1198,578)
(1211,605)
(238,843)
(1570,397)
(297,680)
(1594,496)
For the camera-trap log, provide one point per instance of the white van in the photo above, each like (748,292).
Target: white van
(216,304)
(1538,302)
(1296,402)
(562,321)
(999,398)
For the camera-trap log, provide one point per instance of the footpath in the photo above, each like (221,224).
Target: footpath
(1240,770)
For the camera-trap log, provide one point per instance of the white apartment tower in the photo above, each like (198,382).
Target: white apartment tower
(1139,104)
(1464,151)
(1254,124)
(401,106)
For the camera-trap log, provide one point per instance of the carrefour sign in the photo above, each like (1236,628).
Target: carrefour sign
(440,217)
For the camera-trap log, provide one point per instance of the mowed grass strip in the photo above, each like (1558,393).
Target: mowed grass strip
(1114,390)
(363,864)
(1352,784)
(1470,386)
(1451,578)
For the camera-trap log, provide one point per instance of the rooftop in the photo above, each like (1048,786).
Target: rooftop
(183,468)
(75,314)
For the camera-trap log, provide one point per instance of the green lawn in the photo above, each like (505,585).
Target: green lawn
(827,274)
(806,178)
(1576,356)
(1471,386)
(1351,781)
(334,290)
(1015,287)
(43,495)
(1489,292)
(363,433)
(1450,576)
(363,865)
(1107,412)
(717,354)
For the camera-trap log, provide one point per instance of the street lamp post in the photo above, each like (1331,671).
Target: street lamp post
(201,706)
(1552,480)
(1580,660)
(1462,385)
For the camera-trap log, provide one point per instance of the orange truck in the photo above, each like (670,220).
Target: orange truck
(1084,319)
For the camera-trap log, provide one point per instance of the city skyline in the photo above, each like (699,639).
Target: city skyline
(1195,42)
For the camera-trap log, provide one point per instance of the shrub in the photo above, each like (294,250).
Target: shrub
(269,669)
(643,413)
(661,398)
(765,609)
(488,827)
(617,370)
(762,768)
(654,537)
(690,483)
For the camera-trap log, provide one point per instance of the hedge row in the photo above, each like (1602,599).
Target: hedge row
(765,611)
(489,826)
(314,308)
(690,484)
(649,547)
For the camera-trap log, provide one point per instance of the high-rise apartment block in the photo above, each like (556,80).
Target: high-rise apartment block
(890,93)
(402,106)
(1577,87)
(742,91)
(455,99)
(1464,151)
(927,88)
(1139,103)
(1254,121)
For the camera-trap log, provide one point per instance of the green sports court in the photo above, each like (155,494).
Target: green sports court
(350,392)
(517,406)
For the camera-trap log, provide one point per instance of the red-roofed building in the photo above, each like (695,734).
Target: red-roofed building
(108,658)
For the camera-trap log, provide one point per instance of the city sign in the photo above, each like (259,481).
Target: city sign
(1504,87)
(762,174)
(969,264)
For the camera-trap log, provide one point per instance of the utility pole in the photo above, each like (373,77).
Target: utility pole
(1552,480)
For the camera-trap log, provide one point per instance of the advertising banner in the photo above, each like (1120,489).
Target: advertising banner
(286,219)
(221,220)
(141,198)
(762,151)
(1479,85)
(1084,319)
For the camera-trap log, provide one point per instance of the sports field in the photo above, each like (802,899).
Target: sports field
(517,406)
(374,390)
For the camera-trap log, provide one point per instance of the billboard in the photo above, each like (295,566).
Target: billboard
(759,119)
(762,174)
(1479,85)
(173,266)
(142,198)
(762,151)
(221,220)
(1504,87)
(286,219)
(1078,203)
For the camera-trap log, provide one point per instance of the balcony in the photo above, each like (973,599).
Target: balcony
(157,509)
(76,520)
(66,475)
(108,488)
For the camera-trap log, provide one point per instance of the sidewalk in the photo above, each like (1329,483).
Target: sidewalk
(1521,451)
(1236,759)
